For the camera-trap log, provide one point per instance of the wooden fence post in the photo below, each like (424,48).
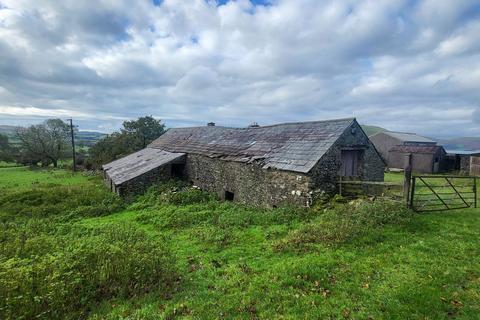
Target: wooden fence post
(475,190)
(340,186)
(407,178)
(412,194)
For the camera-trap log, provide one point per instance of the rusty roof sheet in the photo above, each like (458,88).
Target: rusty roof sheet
(290,146)
(416,149)
(138,163)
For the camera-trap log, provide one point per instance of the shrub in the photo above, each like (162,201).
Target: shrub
(345,222)
(174,192)
(69,201)
(113,262)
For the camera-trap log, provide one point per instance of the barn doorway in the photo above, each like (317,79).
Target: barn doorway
(229,196)
(351,161)
(436,164)
(178,170)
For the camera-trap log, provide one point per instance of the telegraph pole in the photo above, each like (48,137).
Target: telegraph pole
(73,145)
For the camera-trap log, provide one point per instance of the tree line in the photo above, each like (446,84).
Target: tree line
(48,143)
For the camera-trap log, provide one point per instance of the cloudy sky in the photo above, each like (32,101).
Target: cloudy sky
(400,64)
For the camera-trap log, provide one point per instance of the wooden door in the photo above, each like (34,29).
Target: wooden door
(350,163)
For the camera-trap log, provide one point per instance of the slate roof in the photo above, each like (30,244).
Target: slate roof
(289,146)
(408,137)
(138,163)
(416,149)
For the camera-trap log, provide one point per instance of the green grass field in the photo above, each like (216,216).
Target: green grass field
(445,188)
(221,260)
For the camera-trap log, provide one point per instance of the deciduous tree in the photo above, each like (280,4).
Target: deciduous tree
(143,130)
(135,135)
(45,143)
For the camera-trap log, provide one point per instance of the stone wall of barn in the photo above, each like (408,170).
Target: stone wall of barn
(421,162)
(249,183)
(141,183)
(325,174)
(474,165)
(465,164)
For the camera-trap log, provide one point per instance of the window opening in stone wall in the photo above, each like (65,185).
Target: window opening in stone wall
(229,196)
(178,170)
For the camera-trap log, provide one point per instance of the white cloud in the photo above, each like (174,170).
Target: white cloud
(38,112)
(393,63)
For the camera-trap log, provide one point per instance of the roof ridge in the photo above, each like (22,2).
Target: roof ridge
(402,132)
(301,122)
(273,125)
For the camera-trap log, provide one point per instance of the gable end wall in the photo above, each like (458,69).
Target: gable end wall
(324,174)
(383,143)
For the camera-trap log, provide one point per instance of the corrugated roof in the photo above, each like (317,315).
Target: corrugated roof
(138,163)
(290,146)
(408,137)
(416,149)
(463,152)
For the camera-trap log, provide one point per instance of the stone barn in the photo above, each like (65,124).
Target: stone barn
(427,156)
(263,166)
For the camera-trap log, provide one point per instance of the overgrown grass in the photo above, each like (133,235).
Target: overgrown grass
(396,177)
(63,276)
(51,267)
(345,223)
(186,255)
(16,178)
(4,164)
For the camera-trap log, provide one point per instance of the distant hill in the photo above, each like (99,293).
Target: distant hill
(371,130)
(462,143)
(87,138)
(8,130)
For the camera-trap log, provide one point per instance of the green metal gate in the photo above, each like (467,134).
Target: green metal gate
(439,193)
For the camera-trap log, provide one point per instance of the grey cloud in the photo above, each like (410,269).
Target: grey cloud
(401,64)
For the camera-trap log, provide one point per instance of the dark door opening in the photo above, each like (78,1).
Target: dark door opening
(178,170)
(229,196)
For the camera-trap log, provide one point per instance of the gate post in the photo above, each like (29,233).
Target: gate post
(475,190)
(340,186)
(412,194)
(407,178)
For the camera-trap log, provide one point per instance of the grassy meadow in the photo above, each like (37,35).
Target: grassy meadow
(71,249)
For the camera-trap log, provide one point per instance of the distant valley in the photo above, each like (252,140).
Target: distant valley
(86,138)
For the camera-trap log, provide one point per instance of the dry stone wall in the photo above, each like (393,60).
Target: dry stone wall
(143,182)
(249,183)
